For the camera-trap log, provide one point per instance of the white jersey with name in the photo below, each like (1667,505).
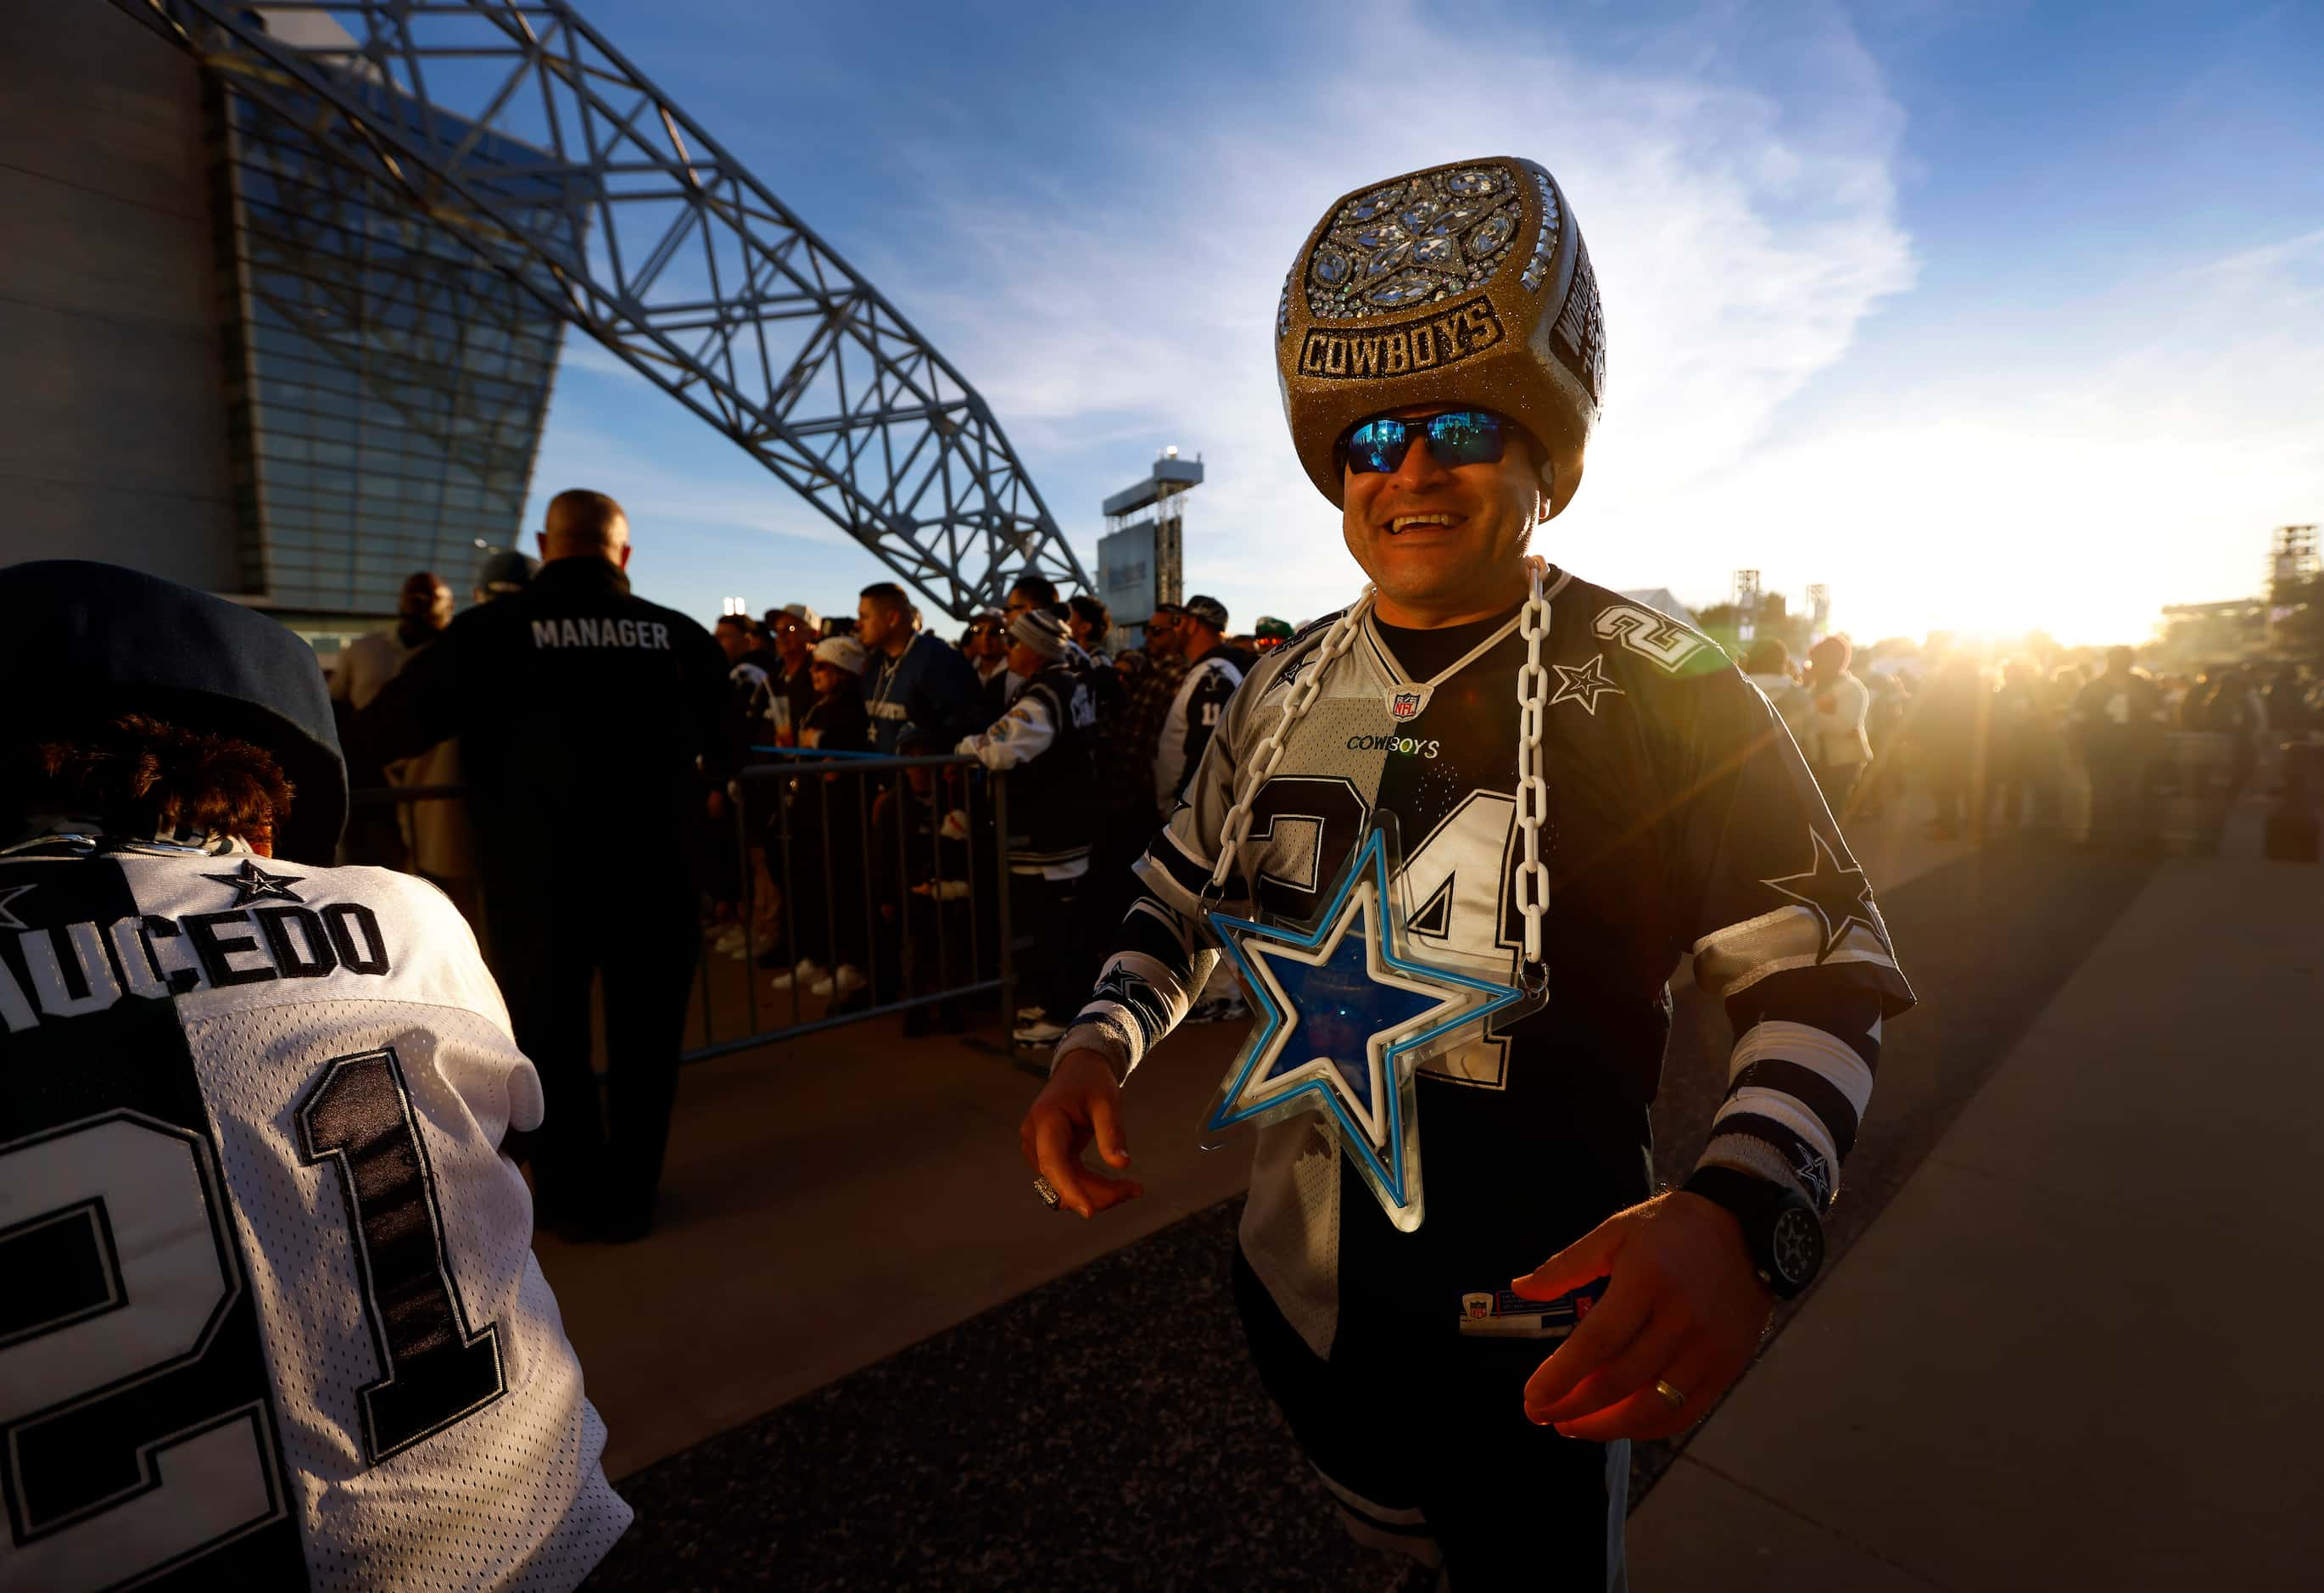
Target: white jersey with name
(271,1316)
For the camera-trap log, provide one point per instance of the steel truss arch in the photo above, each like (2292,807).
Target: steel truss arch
(638,227)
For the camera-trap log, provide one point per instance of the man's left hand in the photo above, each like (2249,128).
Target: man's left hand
(1684,1304)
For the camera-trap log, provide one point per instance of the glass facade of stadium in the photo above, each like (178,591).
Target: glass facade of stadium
(385,387)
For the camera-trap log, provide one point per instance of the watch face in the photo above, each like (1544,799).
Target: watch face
(1797,1245)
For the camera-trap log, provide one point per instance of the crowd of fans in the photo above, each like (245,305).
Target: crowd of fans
(2011,743)
(885,885)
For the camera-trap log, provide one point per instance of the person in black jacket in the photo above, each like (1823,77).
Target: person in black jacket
(913,679)
(594,728)
(1044,743)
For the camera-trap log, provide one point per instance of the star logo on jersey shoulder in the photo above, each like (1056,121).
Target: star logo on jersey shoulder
(9,893)
(1839,896)
(1344,1017)
(251,883)
(1584,685)
(1815,1176)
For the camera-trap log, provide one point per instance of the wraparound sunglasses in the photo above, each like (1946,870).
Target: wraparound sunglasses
(1455,438)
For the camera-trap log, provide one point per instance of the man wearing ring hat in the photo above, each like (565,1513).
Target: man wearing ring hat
(1587,792)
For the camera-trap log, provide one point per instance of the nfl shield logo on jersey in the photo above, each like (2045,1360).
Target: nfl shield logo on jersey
(1477,1307)
(1404,705)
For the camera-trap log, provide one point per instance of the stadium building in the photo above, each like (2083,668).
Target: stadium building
(283,304)
(238,364)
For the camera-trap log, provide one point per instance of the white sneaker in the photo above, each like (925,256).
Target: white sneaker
(1039,1032)
(729,941)
(844,980)
(806,972)
(1031,1014)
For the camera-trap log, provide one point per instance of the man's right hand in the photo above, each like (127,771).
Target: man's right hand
(1081,1102)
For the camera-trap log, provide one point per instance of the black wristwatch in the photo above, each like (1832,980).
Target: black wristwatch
(1785,1236)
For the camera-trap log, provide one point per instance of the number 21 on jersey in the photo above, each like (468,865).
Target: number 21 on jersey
(124,1451)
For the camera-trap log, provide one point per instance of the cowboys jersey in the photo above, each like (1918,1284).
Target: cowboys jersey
(271,1316)
(1194,716)
(1682,821)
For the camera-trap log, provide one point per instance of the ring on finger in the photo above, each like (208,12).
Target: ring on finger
(1671,1394)
(1046,1189)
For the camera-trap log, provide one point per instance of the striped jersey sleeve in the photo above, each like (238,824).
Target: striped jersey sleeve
(1784,933)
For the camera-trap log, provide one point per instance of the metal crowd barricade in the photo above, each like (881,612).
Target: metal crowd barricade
(795,813)
(786,816)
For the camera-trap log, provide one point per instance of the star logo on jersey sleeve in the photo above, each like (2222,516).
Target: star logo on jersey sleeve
(1344,1020)
(8,920)
(1815,1176)
(251,883)
(1839,896)
(1584,685)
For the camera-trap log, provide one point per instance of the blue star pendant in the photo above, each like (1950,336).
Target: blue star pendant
(1345,1018)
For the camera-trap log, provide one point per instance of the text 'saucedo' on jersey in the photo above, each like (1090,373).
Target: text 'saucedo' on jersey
(270,1316)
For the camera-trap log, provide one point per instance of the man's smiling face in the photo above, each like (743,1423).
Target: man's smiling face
(1440,542)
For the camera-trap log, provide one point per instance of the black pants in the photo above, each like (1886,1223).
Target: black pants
(1045,933)
(547,949)
(1425,1449)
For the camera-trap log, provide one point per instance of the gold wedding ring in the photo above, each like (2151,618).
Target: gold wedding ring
(1667,1392)
(1046,1189)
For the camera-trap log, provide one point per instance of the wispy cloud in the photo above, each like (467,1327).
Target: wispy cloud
(613,430)
(2149,474)
(1741,243)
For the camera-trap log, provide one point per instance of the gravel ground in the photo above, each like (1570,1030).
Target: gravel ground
(1106,1431)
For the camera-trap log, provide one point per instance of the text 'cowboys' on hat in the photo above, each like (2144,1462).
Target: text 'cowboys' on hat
(85,640)
(1461,284)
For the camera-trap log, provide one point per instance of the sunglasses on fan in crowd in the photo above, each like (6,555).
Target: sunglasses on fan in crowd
(1455,438)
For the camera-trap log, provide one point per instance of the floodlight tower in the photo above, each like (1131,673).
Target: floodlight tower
(1141,558)
(2293,558)
(1747,603)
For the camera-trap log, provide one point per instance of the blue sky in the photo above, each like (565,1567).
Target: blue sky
(1988,316)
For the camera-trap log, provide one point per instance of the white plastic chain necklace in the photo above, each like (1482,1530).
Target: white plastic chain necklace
(1533,791)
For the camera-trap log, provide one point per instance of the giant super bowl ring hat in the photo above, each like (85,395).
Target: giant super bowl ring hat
(1460,284)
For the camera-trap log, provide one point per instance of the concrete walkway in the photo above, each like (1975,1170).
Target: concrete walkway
(2078,1350)
(834,1198)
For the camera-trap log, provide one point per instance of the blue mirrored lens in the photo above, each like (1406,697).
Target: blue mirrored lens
(1377,447)
(1465,436)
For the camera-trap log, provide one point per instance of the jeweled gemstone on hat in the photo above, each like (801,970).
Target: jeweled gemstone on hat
(1448,233)
(1410,288)
(1493,234)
